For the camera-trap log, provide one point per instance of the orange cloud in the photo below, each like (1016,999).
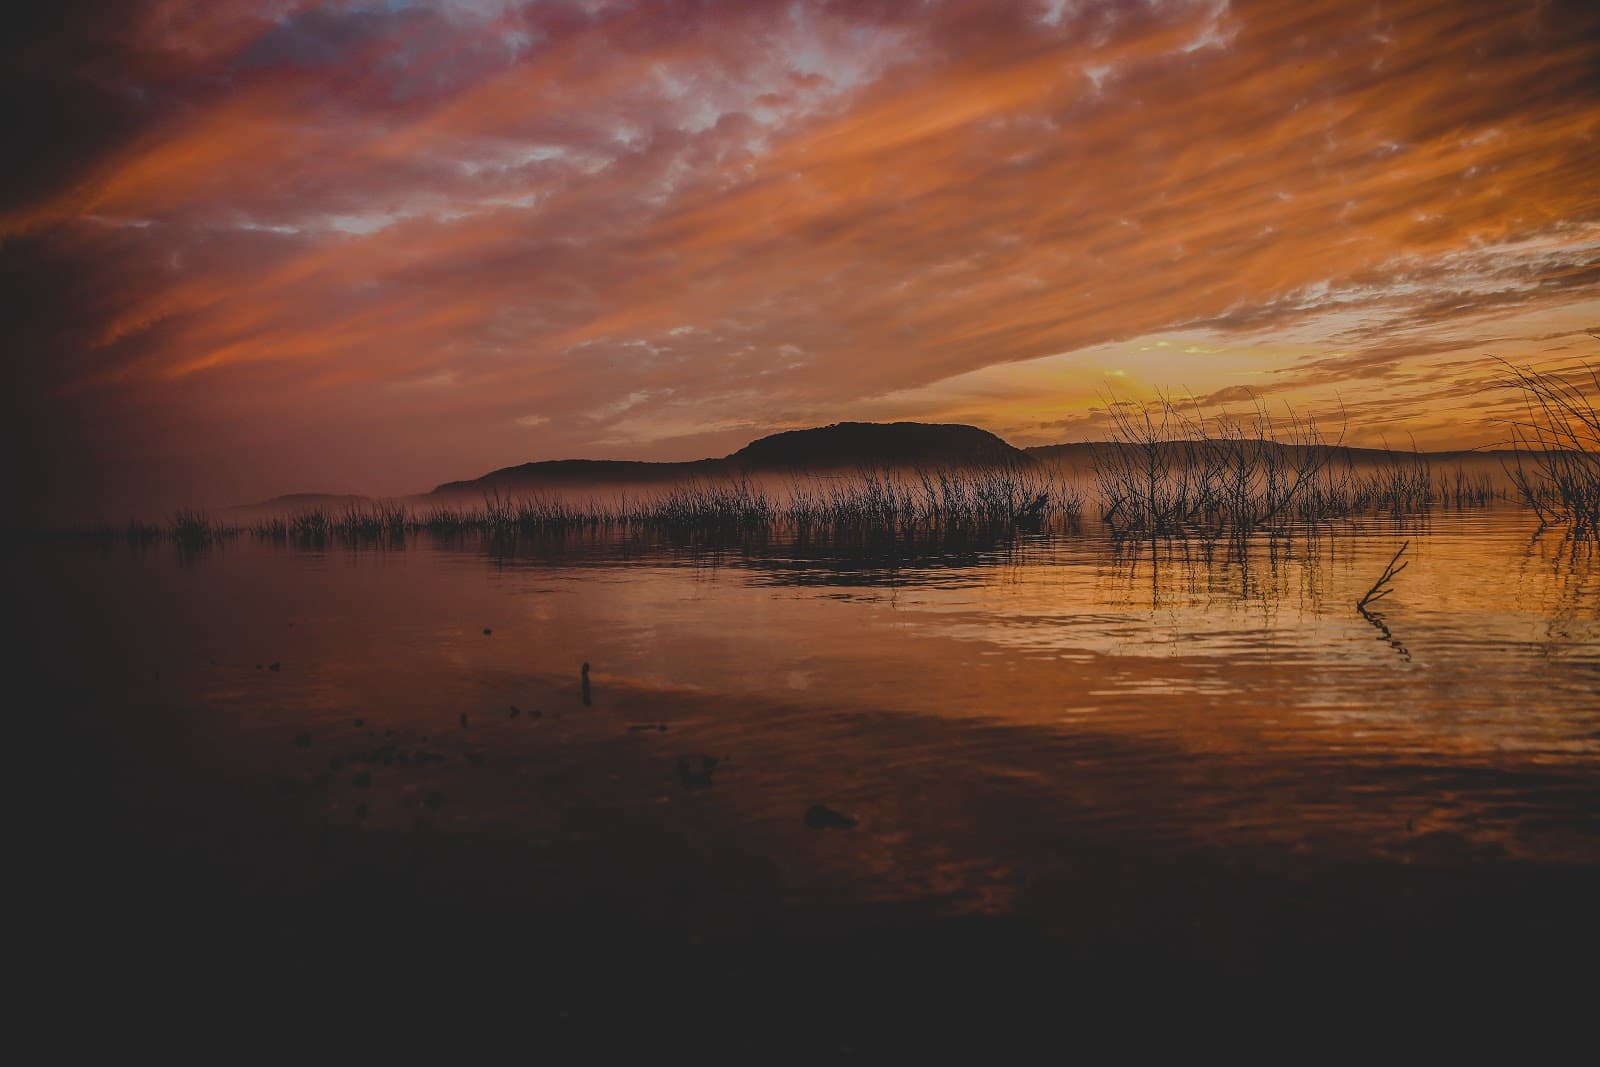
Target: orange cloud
(784,213)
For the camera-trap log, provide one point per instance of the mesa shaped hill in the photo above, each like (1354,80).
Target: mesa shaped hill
(877,444)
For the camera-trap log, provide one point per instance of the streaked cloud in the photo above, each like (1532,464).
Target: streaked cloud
(356,244)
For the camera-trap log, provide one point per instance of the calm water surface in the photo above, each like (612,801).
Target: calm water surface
(1492,657)
(1096,738)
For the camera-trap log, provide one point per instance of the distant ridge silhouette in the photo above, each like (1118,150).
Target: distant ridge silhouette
(840,446)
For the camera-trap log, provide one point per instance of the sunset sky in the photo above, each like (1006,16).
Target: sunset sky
(258,247)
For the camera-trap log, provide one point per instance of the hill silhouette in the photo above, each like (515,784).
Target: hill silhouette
(841,446)
(1080,455)
(307,501)
(894,444)
(849,446)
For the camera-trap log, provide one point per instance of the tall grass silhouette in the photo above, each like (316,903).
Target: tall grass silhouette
(1555,462)
(1166,471)
(1173,471)
(870,500)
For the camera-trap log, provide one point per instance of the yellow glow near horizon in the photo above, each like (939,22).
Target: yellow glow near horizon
(361,246)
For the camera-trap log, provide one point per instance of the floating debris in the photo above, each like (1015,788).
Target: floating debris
(515,711)
(586,685)
(360,723)
(302,739)
(463,720)
(697,775)
(1446,848)
(274,666)
(487,631)
(645,727)
(822,817)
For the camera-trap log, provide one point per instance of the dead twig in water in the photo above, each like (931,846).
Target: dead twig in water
(1381,587)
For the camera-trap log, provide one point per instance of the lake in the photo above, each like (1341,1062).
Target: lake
(1142,754)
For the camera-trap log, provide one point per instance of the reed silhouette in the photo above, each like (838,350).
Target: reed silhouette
(1555,462)
(1166,471)
(1172,471)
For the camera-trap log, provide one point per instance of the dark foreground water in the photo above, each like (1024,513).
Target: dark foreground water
(1101,764)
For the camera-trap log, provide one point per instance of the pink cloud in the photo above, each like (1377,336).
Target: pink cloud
(756,216)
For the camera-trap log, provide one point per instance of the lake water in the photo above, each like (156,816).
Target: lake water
(1120,747)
